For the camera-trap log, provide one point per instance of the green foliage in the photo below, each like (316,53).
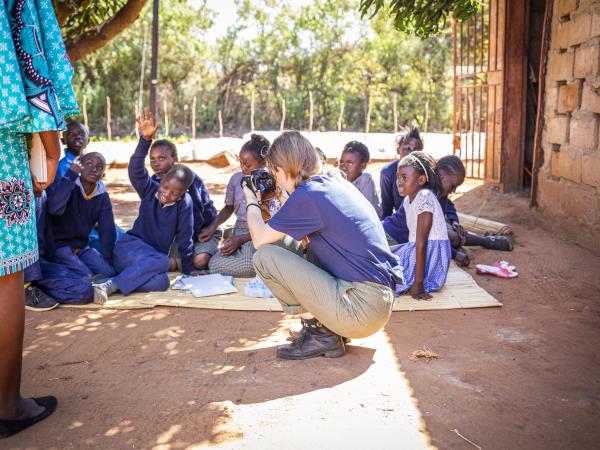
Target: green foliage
(424,18)
(90,15)
(278,51)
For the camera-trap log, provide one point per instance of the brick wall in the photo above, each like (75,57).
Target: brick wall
(569,180)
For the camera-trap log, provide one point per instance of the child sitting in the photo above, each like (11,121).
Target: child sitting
(76,139)
(78,203)
(49,283)
(165,214)
(426,257)
(353,162)
(234,257)
(452,175)
(391,200)
(163,155)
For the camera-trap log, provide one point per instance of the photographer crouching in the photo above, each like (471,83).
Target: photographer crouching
(341,281)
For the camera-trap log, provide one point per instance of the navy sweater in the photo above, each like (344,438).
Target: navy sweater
(72,216)
(159,225)
(204,210)
(391,200)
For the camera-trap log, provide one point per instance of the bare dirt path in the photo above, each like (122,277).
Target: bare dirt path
(525,376)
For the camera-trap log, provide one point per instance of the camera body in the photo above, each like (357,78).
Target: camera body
(259,180)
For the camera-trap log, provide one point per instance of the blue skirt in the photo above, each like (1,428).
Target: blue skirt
(437,261)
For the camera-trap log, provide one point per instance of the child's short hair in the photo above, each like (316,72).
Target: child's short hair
(258,145)
(359,149)
(413,133)
(424,164)
(181,173)
(452,165)
(72,123)
(89,155)
(166,144)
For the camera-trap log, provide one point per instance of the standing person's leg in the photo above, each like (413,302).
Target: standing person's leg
(16,412)
(93,259)
(66,257)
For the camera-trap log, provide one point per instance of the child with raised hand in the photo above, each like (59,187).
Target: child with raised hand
(163,156)
(353,162)
(165,214)
(390,198)
(78,203)
(234,257)
(76,139)
(426,257)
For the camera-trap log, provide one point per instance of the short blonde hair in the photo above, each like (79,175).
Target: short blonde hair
(295,155)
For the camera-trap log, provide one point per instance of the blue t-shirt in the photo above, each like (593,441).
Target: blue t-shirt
(344,232)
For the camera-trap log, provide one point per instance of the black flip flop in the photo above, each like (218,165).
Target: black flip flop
(10,427)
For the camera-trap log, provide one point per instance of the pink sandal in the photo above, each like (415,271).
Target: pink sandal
(501,269)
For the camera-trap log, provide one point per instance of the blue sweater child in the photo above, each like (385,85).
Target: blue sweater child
(165,214)
(76,206)
(76,139)
(391,200)
(163,155)
(50,278)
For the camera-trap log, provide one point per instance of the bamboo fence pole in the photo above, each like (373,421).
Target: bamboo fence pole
(341,116)
(282,124)
(194,118)
(166,113)
(252,111)
(310,111)
(108,129)
(220,124)
(85,116)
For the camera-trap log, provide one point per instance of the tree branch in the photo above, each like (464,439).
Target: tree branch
(95,39)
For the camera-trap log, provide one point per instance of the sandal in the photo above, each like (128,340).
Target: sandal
(501,269)
(10,427)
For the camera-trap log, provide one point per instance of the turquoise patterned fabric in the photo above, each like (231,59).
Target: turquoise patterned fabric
(35,95)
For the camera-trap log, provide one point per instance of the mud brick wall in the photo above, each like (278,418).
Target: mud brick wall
(569,180)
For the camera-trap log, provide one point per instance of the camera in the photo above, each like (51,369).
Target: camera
(259,180)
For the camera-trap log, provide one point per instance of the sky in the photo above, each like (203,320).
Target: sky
(226,14)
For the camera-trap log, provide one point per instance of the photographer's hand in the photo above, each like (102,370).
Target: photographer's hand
(251,197)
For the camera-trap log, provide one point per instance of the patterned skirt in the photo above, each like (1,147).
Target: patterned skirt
(18,236)
(437,261)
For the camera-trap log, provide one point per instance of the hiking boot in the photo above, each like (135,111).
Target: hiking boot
(315,340)
(295,334)
(38,300)
(503,243)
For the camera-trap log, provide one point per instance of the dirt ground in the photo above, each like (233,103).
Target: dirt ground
(524,376)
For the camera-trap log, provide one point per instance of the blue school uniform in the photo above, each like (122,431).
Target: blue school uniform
(54,279)
(140,256)
(61,170)
(438,253)
(391,200)
(343,230)
(72,218)
(204,209)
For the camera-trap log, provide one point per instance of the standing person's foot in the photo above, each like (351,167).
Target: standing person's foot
(315,340)
(38,300)
(503,243)
(8,427)
(103,290)
(295,333)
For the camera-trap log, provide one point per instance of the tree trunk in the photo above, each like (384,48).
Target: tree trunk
(95,39)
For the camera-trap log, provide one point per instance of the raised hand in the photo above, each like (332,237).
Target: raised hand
(146,124)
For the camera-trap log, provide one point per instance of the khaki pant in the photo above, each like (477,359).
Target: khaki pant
(350,309)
